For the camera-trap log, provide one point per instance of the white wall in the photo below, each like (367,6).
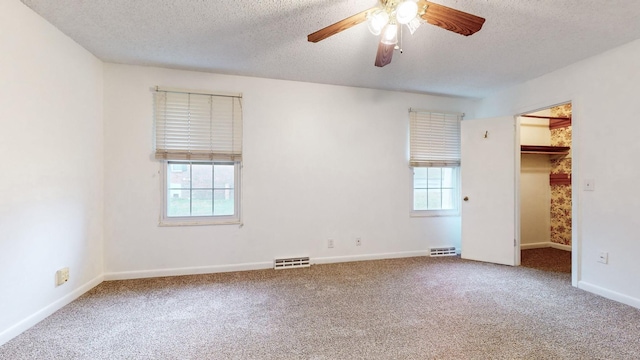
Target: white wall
(604,93)
(535,192)
(535,131)
(51,191)
(320,162)
(535,199)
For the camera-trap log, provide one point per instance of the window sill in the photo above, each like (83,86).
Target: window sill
(433,213)
(197,222)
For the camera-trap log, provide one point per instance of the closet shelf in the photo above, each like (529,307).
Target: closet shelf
(553,151)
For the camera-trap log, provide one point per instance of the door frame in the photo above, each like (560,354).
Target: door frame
(576,232)
(516,177)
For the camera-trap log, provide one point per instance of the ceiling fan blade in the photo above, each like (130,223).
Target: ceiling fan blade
(384,55)
(339,26)
(451,19)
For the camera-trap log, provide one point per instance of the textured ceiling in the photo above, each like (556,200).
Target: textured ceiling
(520,40)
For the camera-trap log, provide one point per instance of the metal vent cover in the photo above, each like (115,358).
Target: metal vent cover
(443,251)
(291,263)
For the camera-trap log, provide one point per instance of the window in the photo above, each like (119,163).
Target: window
(435,159)
(435,188)
(198,140)
(201,189)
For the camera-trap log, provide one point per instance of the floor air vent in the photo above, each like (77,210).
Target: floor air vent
(291,263)
(443,251)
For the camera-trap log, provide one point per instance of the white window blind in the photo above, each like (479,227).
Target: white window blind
(195,126)
(434,139)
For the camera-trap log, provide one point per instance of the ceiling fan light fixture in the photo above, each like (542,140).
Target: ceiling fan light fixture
(406,11)
(390,35)
(377,21)
(383,22)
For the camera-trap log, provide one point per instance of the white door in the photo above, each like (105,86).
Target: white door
(488,164)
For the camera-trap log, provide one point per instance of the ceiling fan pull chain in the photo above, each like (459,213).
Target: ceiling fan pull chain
(399,47)
(396,47)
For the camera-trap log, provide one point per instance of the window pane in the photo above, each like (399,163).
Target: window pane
(419,178)
(178,203)
(434,199)
(447,200)
(202,176)
(224,176)
(176,167)
(448,179)
(223,202)
(435,178)
(179,176)
(201,204)
(420,199)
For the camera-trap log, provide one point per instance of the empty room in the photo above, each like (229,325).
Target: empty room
(394,179)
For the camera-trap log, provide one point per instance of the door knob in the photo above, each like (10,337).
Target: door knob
(466,198)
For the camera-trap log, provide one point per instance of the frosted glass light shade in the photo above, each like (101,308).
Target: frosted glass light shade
(406,11)
(414,24)
(377,21)
(390,36)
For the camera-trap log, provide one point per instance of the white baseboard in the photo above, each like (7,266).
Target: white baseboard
(561,246)
(348,258)
(541,245)
(43,313)
(615,296)
(127,275)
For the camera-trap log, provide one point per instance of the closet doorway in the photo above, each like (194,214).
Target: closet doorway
(545,189)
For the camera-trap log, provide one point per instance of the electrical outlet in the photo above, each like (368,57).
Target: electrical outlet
(330,243)
(603,257)
(62,276)
(358,241)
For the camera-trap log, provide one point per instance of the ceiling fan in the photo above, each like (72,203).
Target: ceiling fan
(390,15)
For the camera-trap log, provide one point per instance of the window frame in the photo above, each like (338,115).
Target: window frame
(235,219)
(437,212)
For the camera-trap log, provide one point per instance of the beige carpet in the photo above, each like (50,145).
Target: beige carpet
(416,308)
(546,259)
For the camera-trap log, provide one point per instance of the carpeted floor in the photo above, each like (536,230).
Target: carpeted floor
(546,259)
(414,308)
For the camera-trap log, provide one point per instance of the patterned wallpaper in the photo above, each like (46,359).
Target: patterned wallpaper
(561,194)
